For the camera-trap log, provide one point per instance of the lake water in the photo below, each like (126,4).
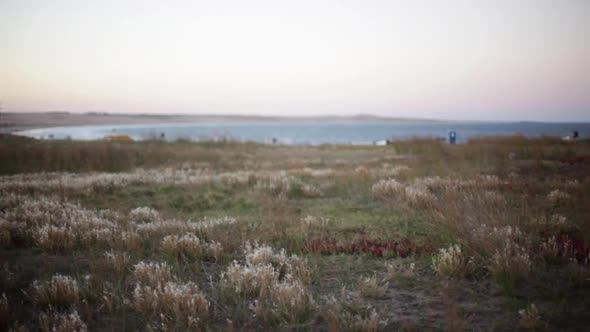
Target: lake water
(312,133)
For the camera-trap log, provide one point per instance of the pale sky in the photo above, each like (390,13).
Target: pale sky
(472,59)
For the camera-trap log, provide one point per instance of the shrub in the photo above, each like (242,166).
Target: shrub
(287,302)
(418,196)
(558,250)
(4,312)
(54,238)
(394,271)
(60,291)
(371,287)
(349,314)
(150,273)
(118,261)
(529,317)
(97,237)
(388,189)
(391,190)
(553,224)
(248,281)
(161,228)
(579,271)
(287,186)
(53,224)
(310,221)
(180,303)
(257,254)
(61,322)
(143,215)
(510,264)
(208,223)
(451,263)
(5,237)
(274,281)
(190,247)
(127,240)
(557,196)
(7,277)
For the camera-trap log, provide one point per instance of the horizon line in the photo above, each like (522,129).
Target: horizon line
(267,116)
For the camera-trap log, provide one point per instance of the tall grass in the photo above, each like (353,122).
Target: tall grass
(23,155)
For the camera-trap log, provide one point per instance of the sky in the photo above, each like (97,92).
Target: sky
(465,60)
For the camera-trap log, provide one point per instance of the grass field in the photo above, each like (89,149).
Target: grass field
(489,235)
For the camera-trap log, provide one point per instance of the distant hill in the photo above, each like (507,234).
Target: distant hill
(10,122)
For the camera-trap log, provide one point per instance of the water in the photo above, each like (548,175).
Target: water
(312,133)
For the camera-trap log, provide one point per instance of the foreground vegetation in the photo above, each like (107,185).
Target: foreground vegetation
(489,235)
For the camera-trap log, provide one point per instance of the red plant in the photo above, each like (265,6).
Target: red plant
(374,247)
(566,242)
(575,160)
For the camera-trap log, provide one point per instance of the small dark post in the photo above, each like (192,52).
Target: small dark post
(452,137)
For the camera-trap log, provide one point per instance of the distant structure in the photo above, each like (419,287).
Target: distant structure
(118,138)
(382,142)
(452,137)
(575,136)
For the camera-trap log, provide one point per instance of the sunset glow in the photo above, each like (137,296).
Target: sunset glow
(479,60)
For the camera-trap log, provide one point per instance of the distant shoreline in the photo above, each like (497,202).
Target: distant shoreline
(11,122)
(14,122)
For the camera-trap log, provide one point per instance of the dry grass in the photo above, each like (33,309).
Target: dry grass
(348,313)
(216,235)
(144,215)
(287,302)
(372,287)
(52,321)
(7,277)
(54,238)
(152,273)
(28,155)
(579,272)
(5,238)
(452,263)
(511,263)
(171,304)
(60,291)
(118,261)
(395,271)
(189,247)
(530,318)
(4,312)
(247,281)
(127,240)
(275,283)
(256,254)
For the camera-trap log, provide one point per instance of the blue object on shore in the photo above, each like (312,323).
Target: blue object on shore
(452,137)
